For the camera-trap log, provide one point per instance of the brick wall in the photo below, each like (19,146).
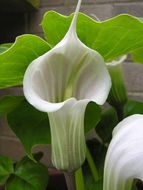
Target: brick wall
(103,9)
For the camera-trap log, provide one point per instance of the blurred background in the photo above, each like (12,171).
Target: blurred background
(24,16)
(21,16)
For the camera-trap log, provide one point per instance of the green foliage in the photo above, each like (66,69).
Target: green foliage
(138,55)
(106,125)
(91,185)
(8,103)
(133,107)
(2,49)
(14,62)
(111,38)
(92,116)
(28,175)
(30,126)
(98,152)
(6,169)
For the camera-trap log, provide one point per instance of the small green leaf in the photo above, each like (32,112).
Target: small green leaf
(6,169)
(28,175)
(14,62)
(92,116)
(106,125)
(111,38)
(30,125)
(8,103)
(133,107)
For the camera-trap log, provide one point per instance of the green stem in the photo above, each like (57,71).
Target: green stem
(92,165)
(79,180)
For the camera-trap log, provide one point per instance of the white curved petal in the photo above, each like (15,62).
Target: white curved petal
(92,81)
(69,70)
(57,76)
(118,93)
(68,140)
(62,82)
(124,160)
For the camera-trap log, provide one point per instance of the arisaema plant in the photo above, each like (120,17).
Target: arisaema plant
(66,78)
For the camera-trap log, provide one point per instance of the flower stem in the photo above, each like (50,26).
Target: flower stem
(92,165)
(79,180)
(70,180)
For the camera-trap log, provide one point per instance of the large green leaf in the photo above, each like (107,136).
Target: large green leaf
(138,55)
(92,116)
(30,125)
(28,175)
(112,38)
(6,169)
(106,125)
(133,107)
(8,103)
(3,49)
(14,62)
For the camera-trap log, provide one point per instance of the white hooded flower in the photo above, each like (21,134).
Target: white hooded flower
(62,82)
(124,159)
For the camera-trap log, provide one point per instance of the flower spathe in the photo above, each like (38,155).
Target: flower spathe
(62,82)
(124,159)
(118,94)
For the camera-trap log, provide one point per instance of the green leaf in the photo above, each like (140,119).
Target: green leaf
(30,125)
(133,107)
(98,153)
(6,169)
(111,38)
(2,49)
(92,116)
(90,183)
(8,103)
(14,62)
(106,125)
(138,55)
(28,175)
